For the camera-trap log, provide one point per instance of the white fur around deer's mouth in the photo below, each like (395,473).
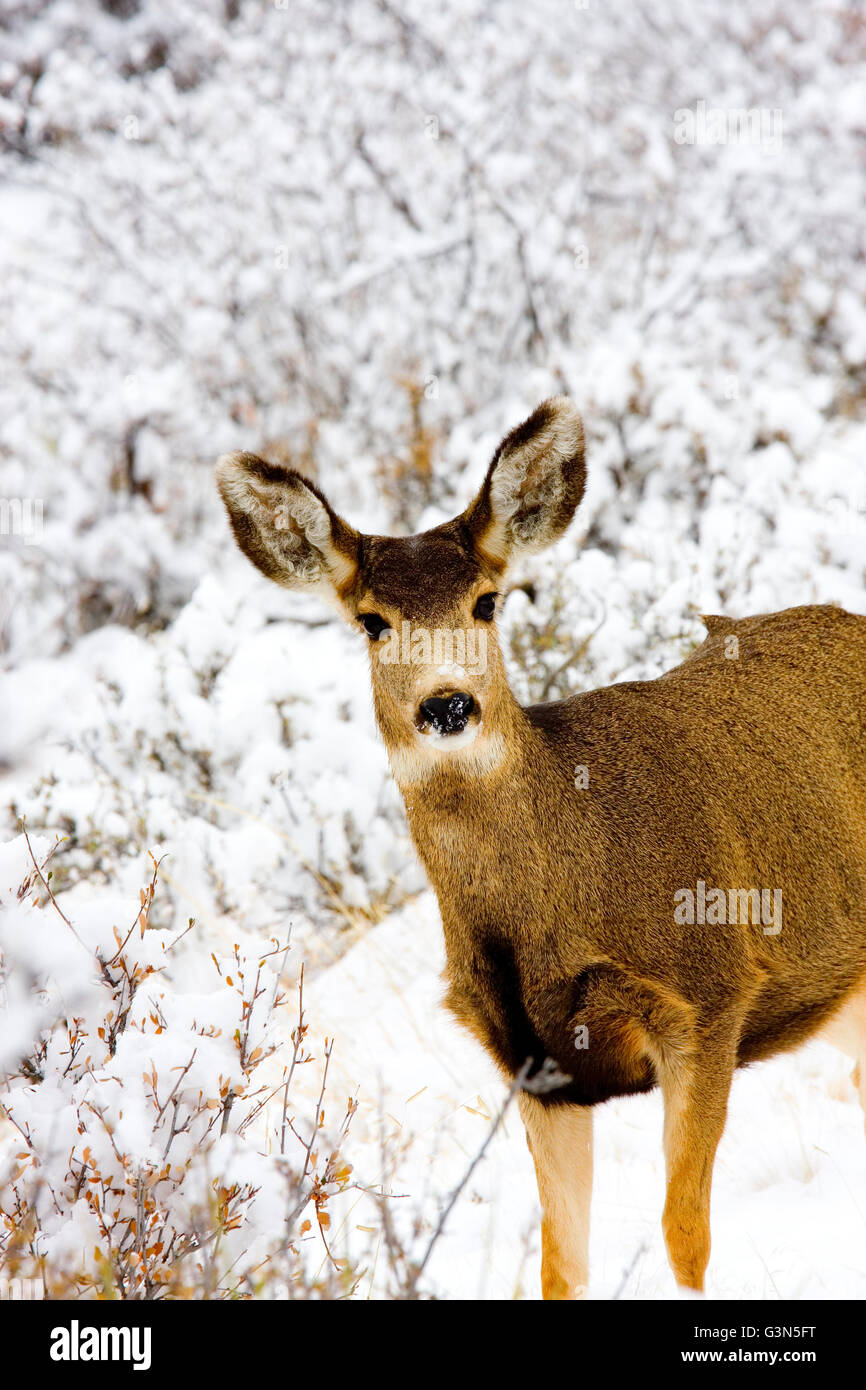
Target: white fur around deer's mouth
(420,761)
(447,743)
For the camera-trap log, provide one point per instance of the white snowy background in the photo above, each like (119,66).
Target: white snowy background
(369,238)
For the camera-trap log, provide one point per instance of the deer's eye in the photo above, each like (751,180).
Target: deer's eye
(485,607)
(373,625)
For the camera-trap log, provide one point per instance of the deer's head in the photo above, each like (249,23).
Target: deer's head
(427,603)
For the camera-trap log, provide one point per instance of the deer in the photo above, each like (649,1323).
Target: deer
(584,917)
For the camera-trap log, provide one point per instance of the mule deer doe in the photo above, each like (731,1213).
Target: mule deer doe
(564,906)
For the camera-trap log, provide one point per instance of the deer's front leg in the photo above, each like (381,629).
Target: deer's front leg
(695,1091)
(560,1141)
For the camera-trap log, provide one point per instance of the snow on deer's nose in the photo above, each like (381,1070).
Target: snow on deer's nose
(446,714)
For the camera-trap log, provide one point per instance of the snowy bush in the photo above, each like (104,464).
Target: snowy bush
(126,1165)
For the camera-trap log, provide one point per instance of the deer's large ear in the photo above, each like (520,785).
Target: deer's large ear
(284,525)
(533,485)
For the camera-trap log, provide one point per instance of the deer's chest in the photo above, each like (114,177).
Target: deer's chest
(526,1015)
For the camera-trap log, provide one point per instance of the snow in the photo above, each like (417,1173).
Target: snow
(347,239)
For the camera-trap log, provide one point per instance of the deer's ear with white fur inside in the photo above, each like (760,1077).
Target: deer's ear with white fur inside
(533,486)
(286,527)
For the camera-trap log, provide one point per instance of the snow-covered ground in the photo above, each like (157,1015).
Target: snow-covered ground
(370,238)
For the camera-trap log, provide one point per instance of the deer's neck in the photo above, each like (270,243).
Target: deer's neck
(481,826)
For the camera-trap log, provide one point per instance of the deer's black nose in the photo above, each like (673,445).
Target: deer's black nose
(448,715)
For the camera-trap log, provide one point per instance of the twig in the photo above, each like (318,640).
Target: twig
(44,881)
(517,1085)
(574,656)
(148,895)
(396,199)
(165,1105)
(297,1039)
(627,1273)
